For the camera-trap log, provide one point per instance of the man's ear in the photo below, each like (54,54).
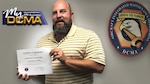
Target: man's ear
(72,15)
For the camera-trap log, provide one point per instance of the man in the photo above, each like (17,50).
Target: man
(77,53)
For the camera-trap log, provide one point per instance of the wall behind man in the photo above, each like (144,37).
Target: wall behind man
(91,14)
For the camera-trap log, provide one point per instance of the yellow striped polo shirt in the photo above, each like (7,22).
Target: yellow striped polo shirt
(79,43)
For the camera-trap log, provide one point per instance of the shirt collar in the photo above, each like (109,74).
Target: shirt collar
(72,31)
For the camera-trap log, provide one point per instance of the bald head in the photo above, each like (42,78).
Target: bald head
(64,3)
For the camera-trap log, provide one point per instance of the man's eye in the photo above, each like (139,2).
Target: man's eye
(62,11)
(54,13)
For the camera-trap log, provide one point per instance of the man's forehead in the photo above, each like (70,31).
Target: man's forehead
(60,5)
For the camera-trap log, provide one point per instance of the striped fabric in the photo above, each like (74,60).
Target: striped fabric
(79,43)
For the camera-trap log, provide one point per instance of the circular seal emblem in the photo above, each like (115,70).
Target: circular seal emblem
(129,28)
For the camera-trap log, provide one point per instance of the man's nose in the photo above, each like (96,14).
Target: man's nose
(59,15)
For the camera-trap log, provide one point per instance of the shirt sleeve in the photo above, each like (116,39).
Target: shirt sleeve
(94,49)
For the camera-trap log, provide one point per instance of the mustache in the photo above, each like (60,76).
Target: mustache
(60,20)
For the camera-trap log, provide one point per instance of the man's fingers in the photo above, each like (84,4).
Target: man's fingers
(55,56)
(17,67)
(27,77)
(19,75)
(23,77)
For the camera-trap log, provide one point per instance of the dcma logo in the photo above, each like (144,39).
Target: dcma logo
(14,17)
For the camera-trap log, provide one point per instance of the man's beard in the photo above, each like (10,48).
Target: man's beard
(62,29)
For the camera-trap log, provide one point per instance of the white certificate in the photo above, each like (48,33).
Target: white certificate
(36,61)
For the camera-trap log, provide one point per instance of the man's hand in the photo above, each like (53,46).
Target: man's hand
(57,53)
(24,76)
